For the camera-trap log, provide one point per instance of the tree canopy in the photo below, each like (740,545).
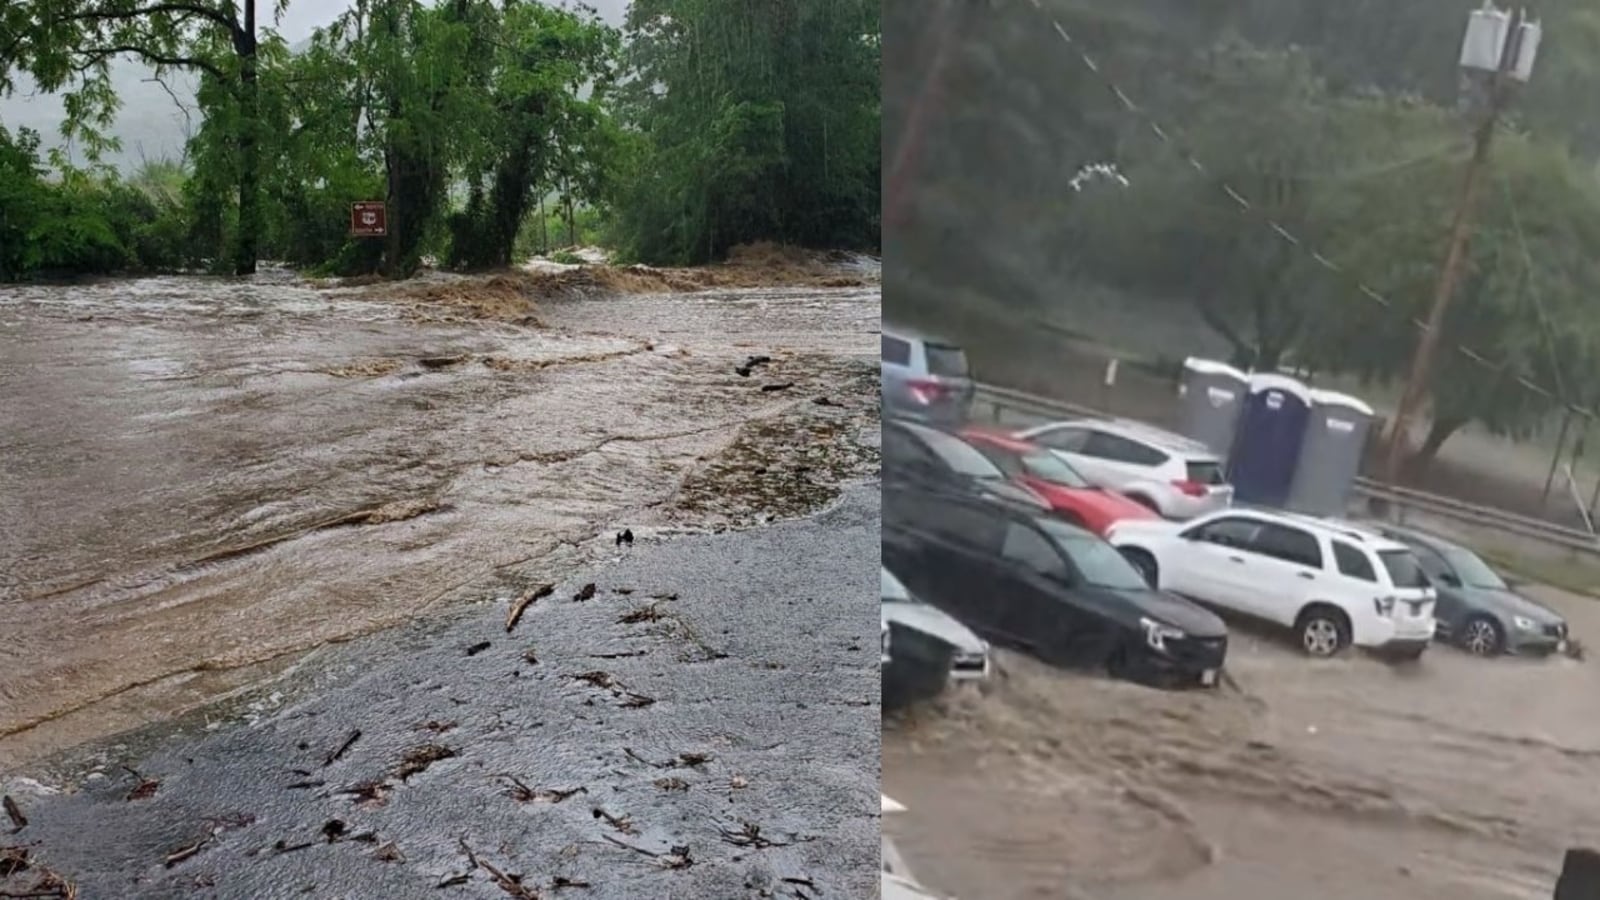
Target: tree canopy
(694,128)
(1333,141)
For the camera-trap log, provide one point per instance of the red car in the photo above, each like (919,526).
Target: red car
(1068,493)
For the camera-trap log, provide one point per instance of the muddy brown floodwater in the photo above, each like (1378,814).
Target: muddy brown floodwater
(204,479)
(1455,778)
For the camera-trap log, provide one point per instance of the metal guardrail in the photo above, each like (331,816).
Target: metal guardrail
(1005,400)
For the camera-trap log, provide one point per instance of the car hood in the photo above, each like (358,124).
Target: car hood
(1113,504)
(1193,618)
(1509,604)
(929,620)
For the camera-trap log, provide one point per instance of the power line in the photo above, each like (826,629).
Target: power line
(1166,137)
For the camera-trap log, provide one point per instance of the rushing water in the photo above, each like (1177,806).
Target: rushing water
(202,476)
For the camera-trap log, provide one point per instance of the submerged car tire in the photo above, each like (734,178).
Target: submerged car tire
(1145,564)
(1323,630)
(1482,636)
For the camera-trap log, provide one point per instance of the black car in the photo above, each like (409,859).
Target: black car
(919,458)
(1028,580)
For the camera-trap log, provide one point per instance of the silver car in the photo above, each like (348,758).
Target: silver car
(925,379)
(1173,475)
(924,650)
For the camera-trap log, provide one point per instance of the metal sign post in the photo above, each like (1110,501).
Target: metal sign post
(369,218)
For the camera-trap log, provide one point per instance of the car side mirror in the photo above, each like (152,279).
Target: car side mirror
(1449,580)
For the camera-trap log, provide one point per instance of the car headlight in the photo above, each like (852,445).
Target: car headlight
(1524,623)
(1156,634)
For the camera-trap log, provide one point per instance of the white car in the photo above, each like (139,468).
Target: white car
(1173,475)
(1334,583)
(919,623)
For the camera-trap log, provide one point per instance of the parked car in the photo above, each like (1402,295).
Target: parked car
(1334,584)
(1477,611)
(1029,580)
(924,459)
(1070,495)
(925,379)
(1173,475)
(926,649)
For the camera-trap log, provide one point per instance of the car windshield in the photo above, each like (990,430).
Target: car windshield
(959,455)
(1049,467)
(1404,569)
(1474,572)
(1097,562)
(892,591)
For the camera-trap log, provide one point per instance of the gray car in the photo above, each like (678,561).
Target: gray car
(925,649)
(1477,611)
(925,379)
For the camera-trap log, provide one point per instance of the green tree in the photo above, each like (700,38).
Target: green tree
(1528,308)
(67,45)
(754,125)
(537,131)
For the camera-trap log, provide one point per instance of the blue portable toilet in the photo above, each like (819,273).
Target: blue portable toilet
(1266,448)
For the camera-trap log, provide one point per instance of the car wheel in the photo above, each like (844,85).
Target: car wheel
(1145,564)
(1482,636)
(1324,631)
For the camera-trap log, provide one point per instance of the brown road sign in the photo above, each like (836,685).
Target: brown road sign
(369,219)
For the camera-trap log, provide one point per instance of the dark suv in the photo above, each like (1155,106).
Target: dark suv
(1031,581)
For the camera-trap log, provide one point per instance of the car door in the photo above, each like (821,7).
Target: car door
(1450,608)
(1120,461)
(1030,573)
(1284,567)
(1211,561)
(1067,442)
(958,559)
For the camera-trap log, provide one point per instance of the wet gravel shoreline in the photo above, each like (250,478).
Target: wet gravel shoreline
(704,725)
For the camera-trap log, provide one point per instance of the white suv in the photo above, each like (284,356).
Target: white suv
(1173,475)
(1334,583)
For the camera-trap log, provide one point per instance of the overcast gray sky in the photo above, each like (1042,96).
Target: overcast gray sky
(150,124)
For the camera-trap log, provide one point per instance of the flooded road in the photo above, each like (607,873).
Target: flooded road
(214,477)
(1456,778)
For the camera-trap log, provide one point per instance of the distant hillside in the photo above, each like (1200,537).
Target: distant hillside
(150,124)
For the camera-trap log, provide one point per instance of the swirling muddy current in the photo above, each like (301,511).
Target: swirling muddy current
(1453,778)
(203,479)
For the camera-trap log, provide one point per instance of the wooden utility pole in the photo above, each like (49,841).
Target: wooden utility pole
(1456,257)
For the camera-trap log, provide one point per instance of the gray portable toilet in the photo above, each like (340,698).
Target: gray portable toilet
(1330,456)
(1211,395)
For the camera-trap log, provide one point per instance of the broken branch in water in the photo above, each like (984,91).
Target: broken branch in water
(511,884)
(335,756)
(187,851)
(145,789)
(418,759)
(14,812)
(621,823)
(528,598)
(676,858)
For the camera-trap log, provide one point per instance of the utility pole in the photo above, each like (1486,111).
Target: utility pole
(1508,58)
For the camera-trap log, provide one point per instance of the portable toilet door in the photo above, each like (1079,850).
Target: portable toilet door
(1266,446)
(1330,456)
(1211,396)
